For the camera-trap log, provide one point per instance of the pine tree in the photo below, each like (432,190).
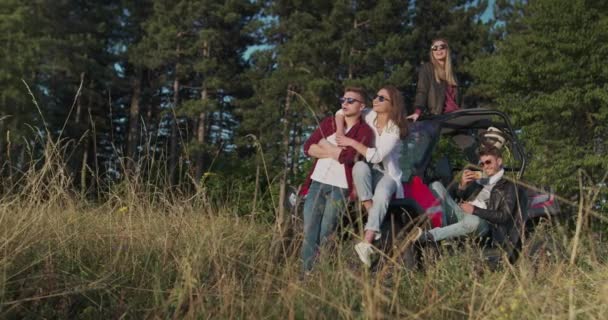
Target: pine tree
(20,56)
(64,53)
(548,74)
(134,77)
(78,74)
(197,46)
(375,43)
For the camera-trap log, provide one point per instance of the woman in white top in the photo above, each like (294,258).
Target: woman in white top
(378,179)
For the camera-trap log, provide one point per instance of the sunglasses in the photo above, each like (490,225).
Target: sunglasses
(349,100)
(484,163)
(381,98)
(439,47)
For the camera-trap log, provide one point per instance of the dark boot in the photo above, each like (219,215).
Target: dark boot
(426,237)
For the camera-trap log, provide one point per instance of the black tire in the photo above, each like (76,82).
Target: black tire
(395,229)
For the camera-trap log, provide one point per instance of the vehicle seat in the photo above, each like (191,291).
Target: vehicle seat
(468,144)
(443,171)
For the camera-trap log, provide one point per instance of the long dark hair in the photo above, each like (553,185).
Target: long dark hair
(397,113)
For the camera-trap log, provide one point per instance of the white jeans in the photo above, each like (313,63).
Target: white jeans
(374,185)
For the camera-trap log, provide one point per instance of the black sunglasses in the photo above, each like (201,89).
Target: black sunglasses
(381,98)
(349,100)
(484,163)
(439,47)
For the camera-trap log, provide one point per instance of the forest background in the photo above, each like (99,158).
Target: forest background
(174,90)
(214,99)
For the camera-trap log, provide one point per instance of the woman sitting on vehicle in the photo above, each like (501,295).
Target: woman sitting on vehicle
(437,87)
(377,183)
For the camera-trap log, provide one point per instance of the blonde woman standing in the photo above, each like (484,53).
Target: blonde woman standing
(437,87)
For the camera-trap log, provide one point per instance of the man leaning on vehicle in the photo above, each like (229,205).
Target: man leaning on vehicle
(329,183)
(488,204)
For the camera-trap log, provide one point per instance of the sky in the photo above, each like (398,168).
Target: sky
(489,14)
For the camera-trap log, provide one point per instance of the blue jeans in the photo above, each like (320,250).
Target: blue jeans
(322,207)
(465,223)
(419,145)
(374,185)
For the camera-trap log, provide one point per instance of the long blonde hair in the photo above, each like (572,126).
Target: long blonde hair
(397,113)
(446,72)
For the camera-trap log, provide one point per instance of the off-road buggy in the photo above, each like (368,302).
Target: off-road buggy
(437,149)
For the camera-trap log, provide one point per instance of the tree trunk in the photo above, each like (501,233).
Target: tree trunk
(200,138)
(350,64)
(85,153)
(2,143)
(173,148)
(83,172)
(79,100)
(133,134)
(351,54)
(256,190)
(282,220)
(8,157)
(296,141)
(85,124)
(202,125)
(95,158)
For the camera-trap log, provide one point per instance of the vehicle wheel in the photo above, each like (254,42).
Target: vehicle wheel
(393,243)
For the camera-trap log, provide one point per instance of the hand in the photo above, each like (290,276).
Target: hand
(468,176)
(323,143)
(467,207)
(345,141)
(414,116)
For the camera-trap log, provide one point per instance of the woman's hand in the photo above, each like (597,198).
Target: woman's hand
(414,116)
(344,141)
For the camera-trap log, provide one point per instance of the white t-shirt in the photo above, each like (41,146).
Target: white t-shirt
(330,171)
(483,197)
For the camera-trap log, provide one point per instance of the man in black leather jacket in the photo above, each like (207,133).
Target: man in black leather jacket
(489,204)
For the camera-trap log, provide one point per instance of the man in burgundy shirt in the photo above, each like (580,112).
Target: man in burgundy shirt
(329,183)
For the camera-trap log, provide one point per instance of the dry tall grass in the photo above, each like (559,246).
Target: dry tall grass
(143,255)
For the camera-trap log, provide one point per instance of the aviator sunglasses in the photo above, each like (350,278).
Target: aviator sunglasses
(381,98)
(349,100)
(439,47)
(484,163)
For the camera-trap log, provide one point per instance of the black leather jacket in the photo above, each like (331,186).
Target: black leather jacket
(430,95)
(504,212)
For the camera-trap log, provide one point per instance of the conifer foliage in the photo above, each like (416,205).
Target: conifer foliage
(186,93)
(548,73)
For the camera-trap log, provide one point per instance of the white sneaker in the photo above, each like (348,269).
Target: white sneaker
(365,252)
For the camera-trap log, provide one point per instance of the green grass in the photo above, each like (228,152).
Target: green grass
(148,255)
